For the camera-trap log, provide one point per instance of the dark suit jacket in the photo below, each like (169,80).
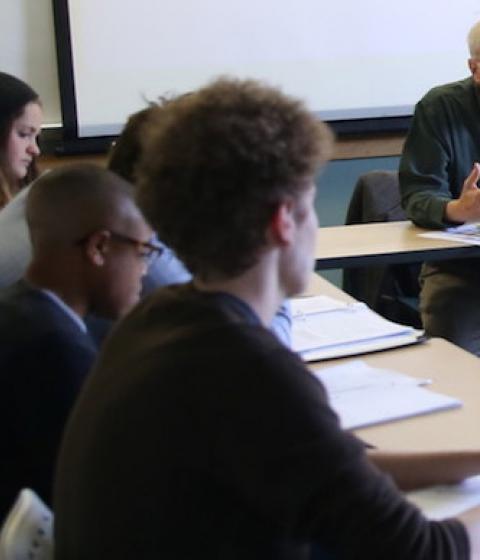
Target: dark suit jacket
(44,358)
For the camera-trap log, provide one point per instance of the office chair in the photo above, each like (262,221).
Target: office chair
(391,290)
(27,532)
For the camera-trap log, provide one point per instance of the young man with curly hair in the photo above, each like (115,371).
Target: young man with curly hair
(199,435)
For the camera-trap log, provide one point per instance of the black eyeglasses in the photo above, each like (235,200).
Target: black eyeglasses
(147,250)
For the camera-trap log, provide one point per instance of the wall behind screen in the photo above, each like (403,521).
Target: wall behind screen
(381,55)
(27,49)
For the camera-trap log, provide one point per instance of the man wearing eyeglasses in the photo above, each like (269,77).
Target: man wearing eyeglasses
(91,247)
(439,173)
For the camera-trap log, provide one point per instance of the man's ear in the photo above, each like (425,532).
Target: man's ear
(473,64)
(97,246)
(282,224)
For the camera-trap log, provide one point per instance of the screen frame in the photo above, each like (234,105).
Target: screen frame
(72,143)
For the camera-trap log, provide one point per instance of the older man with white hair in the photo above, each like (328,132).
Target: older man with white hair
(439,172)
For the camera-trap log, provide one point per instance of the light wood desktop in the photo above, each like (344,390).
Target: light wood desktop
(382,243)
(453,371)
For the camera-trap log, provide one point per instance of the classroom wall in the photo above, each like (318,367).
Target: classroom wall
(27,50)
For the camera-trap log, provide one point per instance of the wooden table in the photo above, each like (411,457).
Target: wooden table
(453,371)
(383,243)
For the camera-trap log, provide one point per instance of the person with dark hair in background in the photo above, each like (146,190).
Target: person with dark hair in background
(90,248)
(198,434)
(124,159)
(20,121)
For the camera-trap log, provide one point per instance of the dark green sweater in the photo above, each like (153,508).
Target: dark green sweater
(441,147)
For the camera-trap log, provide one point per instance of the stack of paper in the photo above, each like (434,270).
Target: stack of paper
(364,396)
(466,233)
(326,328)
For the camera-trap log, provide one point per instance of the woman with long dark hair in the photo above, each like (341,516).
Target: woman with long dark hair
(20,120)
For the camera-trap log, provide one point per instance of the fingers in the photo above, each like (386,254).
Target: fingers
(472,180)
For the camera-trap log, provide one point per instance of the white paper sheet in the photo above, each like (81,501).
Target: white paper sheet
(440,502)
(364,396)
(466,233)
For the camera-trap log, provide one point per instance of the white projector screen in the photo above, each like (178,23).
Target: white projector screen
(346,59)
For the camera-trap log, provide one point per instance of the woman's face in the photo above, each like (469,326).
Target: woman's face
(22,144)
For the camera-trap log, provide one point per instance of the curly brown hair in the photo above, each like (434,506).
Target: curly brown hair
(218,164)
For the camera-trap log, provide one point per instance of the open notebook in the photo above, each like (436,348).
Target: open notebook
(324,328)
(363,396)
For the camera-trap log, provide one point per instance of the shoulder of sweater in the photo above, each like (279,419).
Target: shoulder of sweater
(453,91)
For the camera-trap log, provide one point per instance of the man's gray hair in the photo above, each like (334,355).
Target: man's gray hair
(473,40)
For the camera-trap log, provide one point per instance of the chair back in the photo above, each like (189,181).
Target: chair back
(27,532)
(390,290)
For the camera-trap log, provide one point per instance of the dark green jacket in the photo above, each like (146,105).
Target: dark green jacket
(441,147)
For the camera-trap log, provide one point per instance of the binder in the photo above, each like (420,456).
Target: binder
(324,328)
